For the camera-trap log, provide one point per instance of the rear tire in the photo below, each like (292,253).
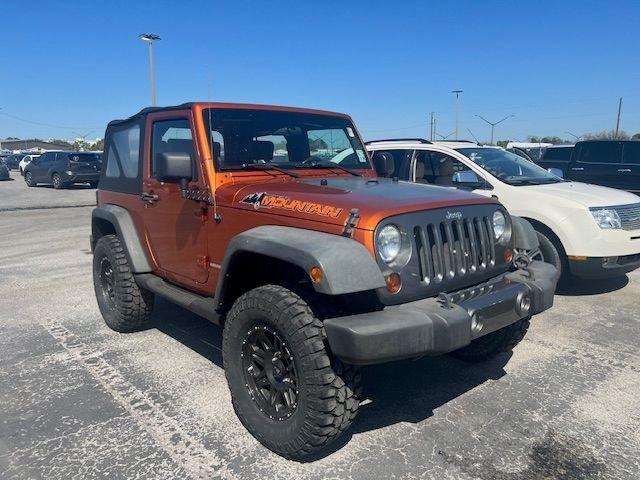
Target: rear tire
(316,398)
(125,306)
(495,343)
(56,181)
(28,179)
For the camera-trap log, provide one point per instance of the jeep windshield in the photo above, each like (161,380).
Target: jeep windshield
(509,167)
(243,138)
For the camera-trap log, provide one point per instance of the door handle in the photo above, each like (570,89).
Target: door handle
(577,169)
(624,170)
(149,197)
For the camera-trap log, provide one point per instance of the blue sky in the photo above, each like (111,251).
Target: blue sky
(556,66)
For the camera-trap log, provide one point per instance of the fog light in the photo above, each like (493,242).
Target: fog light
(394,283)
(476,323)
(524,303)
(316,274)
(607,261)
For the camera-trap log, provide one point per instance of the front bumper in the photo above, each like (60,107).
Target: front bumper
(604,267)
(440,325)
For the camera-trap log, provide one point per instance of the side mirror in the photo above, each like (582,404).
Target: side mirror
(384,163)
(466,176)
(173,167)
(556,171)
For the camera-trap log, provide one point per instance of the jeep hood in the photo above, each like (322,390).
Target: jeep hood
(585,194)
(331,200)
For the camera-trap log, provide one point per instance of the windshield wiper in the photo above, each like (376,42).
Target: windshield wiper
(327,165)
(262,167)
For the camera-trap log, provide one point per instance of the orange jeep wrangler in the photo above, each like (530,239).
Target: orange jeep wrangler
(273,223)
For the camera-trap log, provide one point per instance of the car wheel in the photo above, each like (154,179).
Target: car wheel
(495,343)
(550,253)
(28,179)
(21,172)
(93,184)
(56,180)
(285,388)
(125,306)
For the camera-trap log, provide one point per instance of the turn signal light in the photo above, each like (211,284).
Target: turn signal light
(394,283)
(316,274)
(508,255)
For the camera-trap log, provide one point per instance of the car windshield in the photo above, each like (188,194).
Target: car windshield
(258,138)
(508,167)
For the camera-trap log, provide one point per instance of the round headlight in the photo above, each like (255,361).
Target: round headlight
(389,242)
(499,224)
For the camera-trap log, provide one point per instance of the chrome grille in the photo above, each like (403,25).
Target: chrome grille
(454,248)
(629,215)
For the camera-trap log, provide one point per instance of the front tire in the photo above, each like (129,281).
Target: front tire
(56,181)
(28,179)
(285,388)
(125,306)
(494,344)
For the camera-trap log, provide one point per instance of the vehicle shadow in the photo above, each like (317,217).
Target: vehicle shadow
(583,287)
(405,391)
(74,186)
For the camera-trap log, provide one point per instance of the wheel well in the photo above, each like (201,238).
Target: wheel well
(550,234)
(101,227)
(249,270)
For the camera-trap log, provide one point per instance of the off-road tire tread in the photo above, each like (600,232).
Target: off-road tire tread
(491,345)
(334,391)
(134,305)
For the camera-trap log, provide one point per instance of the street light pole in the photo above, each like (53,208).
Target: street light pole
(149,38)
(493,124)
(457,94)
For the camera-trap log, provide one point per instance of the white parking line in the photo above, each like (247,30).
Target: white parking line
(183,449)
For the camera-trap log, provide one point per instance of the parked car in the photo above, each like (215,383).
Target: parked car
(312,266)
(4,172)
(534,150)
(586,230)
(13,160)
(612,163)
(62,169)
(25,161)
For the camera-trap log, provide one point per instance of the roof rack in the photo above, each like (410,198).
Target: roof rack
(419,140)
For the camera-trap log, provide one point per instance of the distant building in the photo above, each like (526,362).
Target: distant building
(32,145)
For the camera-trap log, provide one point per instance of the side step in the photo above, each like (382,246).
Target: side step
(203,306)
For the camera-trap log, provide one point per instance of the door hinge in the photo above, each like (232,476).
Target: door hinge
(351,223)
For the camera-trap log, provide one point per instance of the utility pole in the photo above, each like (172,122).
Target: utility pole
(493,124)
(457,94)
(618,121)
(432,123)
(149,38)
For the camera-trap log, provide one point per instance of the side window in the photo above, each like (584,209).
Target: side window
(631,152)
(441,169)
(123,158)
(171,136)
(44,159)
(600,152)
(60,157)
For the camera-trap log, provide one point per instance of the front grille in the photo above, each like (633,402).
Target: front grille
(454,248)
(629,216)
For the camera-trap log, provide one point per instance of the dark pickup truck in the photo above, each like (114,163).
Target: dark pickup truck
(611,163)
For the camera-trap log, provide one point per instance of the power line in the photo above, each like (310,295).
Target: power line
(51,125)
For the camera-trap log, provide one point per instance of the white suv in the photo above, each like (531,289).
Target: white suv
(587,230)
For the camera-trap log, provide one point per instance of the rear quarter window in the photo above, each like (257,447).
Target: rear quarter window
(631,152)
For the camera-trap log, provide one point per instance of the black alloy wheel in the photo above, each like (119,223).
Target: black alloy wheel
(270,373)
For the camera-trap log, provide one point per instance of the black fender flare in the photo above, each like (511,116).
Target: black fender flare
(347,265)
(525,236)
(123,225)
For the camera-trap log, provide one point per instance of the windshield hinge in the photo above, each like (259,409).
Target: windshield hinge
(351,223)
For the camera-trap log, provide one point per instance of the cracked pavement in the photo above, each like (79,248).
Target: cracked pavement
(80,401)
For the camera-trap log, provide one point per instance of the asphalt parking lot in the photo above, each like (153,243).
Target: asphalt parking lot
(80,401)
